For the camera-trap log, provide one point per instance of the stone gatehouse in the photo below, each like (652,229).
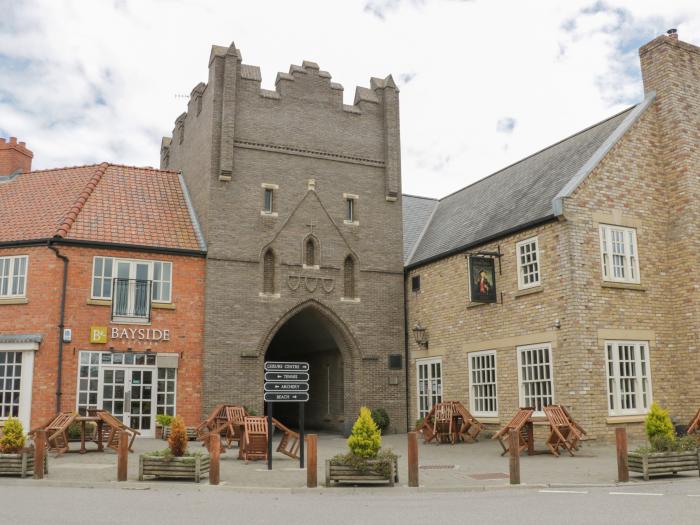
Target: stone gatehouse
(299,198)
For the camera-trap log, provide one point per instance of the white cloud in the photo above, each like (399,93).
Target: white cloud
(90,81)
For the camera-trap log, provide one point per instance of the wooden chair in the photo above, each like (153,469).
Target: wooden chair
(255,438)
(443,426)
(426,426)
(113,428)
(694,426)
(470,427)
(562,433)
(235,416)
(518,423)
(578,427)
(57,432)
(289,444)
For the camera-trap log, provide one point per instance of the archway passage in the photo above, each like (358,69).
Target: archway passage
(307,336)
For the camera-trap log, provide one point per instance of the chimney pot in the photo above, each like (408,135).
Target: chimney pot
(672,33)
(13,140)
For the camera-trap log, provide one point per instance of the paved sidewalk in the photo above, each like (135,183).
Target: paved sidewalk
(475,466)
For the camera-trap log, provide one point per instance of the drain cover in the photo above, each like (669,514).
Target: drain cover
(489,475)
(437,467)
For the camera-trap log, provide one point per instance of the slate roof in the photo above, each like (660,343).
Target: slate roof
(104,203)
(512,199)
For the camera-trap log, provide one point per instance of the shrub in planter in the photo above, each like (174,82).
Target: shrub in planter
(381,418)
(12,440)
(178,437)
(163,421)
(658,423)
(366,462)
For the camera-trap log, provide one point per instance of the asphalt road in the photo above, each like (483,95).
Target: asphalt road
(667,504)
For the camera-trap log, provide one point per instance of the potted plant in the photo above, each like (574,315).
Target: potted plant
(174,462)
(366,462)
(163,421)
(381,418)
(666,454)
(15,459)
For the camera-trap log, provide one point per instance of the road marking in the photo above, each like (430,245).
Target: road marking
(564,491)
(635,493)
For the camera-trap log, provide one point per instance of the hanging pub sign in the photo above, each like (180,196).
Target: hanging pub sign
(482,279)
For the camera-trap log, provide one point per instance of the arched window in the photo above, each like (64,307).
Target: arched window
(310,252)
(349,277)
(269,272)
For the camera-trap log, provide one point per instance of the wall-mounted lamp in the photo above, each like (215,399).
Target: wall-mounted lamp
(420,335)
(557,323)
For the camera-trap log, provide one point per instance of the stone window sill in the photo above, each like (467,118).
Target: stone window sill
(617,420)
(529,291)
(488,419)
(624,286)
(154,306)
(474,305)
(310,267)
(271,214)
(14,300)
(349,299)
(264,295)
(351,223)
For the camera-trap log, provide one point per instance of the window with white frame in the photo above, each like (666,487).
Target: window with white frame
(105,269)
(13,276)
(429,374)
(629,377)
(618,249)
(267,200)
(10,383)
(528,263)
(482,378)
(165,400)
(535,376)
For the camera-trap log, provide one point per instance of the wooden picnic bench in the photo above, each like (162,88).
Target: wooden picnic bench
(56,432)
(115,429)
(226,420)
(470,427)
(523,425)
(464,425)
(563,433)
(289,443)
(444,424)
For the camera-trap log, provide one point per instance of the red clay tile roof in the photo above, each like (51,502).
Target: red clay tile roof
(105,203)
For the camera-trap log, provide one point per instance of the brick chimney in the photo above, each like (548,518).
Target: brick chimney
(14,157)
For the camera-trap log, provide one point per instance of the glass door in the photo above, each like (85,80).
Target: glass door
(128,394)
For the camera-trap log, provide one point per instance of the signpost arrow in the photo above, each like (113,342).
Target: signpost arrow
(286,387)
(296,377)
(286,397)
(286,366)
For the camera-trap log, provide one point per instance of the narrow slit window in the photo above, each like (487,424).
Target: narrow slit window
(350,210)
(349,277)
(268,200)
(269,272)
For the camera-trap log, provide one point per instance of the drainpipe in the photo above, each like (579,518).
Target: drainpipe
(405,349)
(59,372)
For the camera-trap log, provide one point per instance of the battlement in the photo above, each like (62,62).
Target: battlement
(303,114)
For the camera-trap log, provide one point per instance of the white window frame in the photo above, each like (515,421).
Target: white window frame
(472,385)
(351,209)
(430,379)
(116,261)
(166,381)
(271,208)
(522,285)
(642,374)
(14,263)
(630,266)
(521,384)
(26,379)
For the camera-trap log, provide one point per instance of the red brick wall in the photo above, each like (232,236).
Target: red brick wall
(14,156)
(41,314)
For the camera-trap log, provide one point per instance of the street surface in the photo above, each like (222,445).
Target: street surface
(671,504)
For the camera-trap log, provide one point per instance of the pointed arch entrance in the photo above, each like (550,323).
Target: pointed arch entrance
(313,333)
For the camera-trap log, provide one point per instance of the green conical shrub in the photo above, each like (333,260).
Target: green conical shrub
(12,440)
(365,440)
(658,424)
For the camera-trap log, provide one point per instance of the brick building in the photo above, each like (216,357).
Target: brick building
(124,330)
(594,243)
(299,196)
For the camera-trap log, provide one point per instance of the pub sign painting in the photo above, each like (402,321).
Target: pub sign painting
(482,279)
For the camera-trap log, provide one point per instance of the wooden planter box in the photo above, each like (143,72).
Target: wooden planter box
(21,464)
(348,474)
(195,468)
(663,463)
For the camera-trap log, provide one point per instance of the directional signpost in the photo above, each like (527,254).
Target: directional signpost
(286,382)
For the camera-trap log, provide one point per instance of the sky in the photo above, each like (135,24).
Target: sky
(483,83)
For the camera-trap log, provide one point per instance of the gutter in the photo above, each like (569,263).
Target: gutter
(405,350)
(105,245)
(61,324)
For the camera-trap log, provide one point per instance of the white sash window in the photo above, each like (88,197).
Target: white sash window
(618,249)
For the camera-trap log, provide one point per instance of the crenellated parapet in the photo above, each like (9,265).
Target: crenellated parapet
(304,114)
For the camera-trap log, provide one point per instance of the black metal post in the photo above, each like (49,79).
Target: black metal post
(269,436)
(301,434)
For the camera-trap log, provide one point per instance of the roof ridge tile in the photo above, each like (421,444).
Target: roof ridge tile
(79,203)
